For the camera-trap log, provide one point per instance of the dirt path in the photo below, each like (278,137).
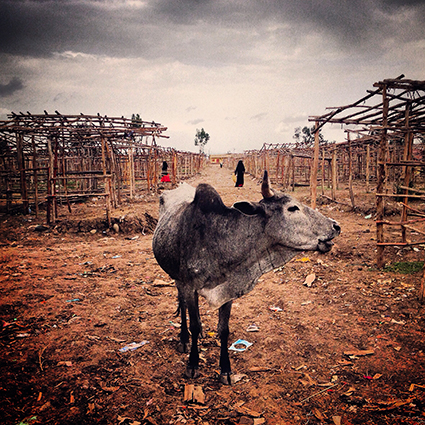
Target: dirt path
(344,350)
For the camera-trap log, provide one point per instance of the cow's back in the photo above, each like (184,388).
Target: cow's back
(166,238)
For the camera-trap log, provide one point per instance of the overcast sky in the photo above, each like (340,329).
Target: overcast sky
(248,72)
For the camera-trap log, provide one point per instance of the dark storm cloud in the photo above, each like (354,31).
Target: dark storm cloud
(181,28)
(14,85)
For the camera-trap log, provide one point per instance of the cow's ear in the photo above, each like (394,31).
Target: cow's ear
(248,208)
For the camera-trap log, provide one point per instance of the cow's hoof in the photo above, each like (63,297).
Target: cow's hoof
(227,378)
(192,372)
(183,347)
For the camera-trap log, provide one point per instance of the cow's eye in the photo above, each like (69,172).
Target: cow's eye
(293,208)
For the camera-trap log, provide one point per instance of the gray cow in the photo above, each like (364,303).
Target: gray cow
(220,252)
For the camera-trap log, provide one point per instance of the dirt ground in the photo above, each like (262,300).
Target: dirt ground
(346,349)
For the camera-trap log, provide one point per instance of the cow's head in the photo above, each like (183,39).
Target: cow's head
(290,223)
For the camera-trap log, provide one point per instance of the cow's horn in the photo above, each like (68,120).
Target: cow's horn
(266,190)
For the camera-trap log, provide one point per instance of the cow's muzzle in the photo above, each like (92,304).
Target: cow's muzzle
(325,245)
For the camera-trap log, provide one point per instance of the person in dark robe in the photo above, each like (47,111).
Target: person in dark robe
(164,172)
(239,172)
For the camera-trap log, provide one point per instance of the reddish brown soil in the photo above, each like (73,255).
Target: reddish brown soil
(344,350)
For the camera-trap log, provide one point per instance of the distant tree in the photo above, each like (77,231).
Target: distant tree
(201,139)
(305,137)
(136,121)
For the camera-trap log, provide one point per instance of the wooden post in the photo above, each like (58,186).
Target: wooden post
(21,168)
(51,185)
(422,288)
(407,156)
(350,171)
(131,170)
(34,160)
(314,169)
(323,171)
(381,180)
(334,173)
(367,168)
(107,183)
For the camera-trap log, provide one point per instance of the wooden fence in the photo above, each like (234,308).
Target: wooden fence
(56,159)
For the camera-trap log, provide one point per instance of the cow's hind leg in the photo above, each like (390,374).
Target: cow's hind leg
(192,370)
(223,332)
(184,332)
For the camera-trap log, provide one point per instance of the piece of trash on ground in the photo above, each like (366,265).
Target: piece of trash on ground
(274,308)
(310,279)
(234,347)
(303,260)
(359,353)
(132,346)
(193,393)
(413,386)
(252,328)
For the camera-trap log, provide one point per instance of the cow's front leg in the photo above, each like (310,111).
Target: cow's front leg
(223,332)
(192,370)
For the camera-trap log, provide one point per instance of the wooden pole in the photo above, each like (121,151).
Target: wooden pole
(34,161)
(323,171)
(314,169)
(334,173)
(350,171)
(367,168)
(407,156)
(107,183)
(21,168)
(51,185)
(381,180)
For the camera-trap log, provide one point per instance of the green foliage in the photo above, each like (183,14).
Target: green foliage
(136,121)
(304,137)
(201,139)
(405,267)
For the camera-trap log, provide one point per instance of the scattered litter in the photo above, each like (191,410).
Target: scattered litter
(252,328)
(413,386)
(22,335)
(309,280)
(274,308)
(376,376)
(122,419)
(303,260)
(73,300)
(132,346)
(193,393)
(28,421)
(117,256)
(336,420)
(306,303)
(401,322)
(159,282)
(240,342)
(397,348)
(369,216)
(358,353)
(212,334)
(115,339)
(246,411)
